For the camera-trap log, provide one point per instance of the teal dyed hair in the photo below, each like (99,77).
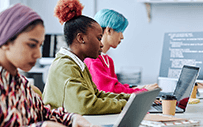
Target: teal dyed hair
(112,19)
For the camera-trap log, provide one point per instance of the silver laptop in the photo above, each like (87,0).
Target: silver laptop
(135,109)
(183,89)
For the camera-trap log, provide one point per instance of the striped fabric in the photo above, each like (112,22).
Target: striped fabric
(20,106)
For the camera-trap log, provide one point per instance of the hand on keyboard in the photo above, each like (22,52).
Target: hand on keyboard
(157,102)
(151,86)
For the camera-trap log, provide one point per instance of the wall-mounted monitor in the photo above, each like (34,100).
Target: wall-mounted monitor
(181,48)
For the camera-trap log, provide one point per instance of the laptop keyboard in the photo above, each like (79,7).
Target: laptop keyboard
(158,107)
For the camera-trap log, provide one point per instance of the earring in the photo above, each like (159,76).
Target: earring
(83,42)
(4,47)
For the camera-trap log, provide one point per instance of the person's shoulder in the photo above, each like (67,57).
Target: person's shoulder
(63,59)
(89,61)
(110,59)
(63,63)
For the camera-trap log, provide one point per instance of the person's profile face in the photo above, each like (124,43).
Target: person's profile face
(93,42)
(114,38)
(24,51)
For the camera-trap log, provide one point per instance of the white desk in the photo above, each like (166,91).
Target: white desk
(193,111)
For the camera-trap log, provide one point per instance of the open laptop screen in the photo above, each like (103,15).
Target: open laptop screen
(185,84)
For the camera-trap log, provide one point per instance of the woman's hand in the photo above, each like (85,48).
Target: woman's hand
(79,121)
(151,86)
(158,102)
(52,124)
(199,85)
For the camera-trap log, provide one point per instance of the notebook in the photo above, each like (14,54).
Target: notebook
(135,109)
(183,89)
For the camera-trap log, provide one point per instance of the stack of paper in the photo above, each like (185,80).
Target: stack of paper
(160,120)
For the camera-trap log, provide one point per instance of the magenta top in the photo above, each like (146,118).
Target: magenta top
(103,75)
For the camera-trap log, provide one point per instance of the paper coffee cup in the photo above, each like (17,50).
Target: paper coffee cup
(169,104)
(194,91)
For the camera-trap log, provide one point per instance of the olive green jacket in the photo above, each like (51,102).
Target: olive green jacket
(70,85)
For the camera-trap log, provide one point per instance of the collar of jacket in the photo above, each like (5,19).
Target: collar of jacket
(65,51)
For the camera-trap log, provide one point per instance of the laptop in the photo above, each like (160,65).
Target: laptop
(183,89)
(135,109)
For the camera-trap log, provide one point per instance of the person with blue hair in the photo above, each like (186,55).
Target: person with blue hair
(102,69)
(112,19)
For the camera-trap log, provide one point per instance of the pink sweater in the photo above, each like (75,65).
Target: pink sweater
(105,78)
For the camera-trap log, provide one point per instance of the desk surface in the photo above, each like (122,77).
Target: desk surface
(193,111)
